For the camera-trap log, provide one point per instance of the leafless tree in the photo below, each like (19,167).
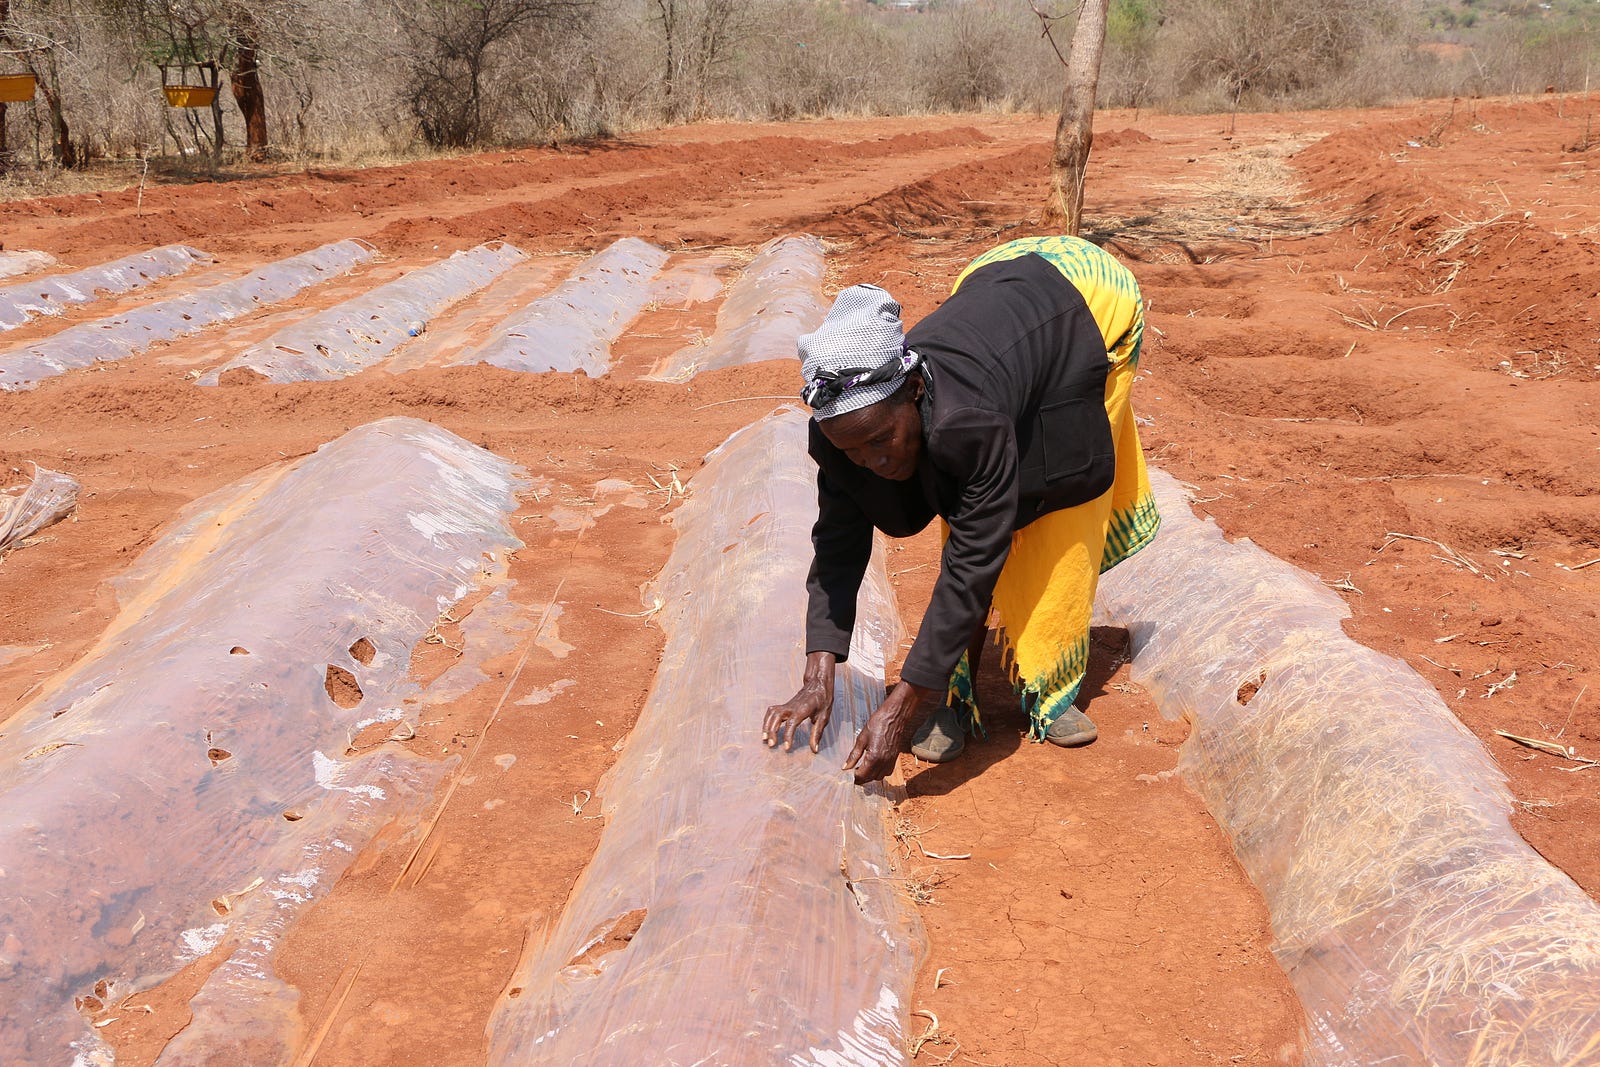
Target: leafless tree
(245,79)
(1271,48)
(698,36)
(34,32)
(235,35)
(451,45)
(968,54)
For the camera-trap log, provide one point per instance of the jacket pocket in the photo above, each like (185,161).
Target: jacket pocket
(1079,457)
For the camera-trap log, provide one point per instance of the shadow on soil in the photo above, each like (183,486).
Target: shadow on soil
(1003,719)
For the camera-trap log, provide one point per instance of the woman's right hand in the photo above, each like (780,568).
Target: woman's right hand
(813,704)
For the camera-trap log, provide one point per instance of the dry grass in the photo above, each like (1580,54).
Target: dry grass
(1426,885)
(1464,230)
(1252,197)
(28,183)
(923,883)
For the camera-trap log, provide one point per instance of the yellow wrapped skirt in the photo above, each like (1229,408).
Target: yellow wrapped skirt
(1045,593)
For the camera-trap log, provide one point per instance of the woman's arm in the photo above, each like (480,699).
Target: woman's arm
(978,449)
(881,741)
(841,541)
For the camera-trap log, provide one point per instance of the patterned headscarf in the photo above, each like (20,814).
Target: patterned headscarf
(857,356)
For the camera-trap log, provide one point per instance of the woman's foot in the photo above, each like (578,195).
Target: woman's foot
(1071,729)
(940,739)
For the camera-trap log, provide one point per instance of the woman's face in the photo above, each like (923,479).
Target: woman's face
(886,437)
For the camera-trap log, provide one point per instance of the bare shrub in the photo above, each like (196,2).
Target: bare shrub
(1127,70)
(454,54)
(1525,57)
(963,56)
(812,59)
(991,55)
(578,78)
(1266,49)
(345,79)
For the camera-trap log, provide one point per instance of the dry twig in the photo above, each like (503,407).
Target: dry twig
(1505,683)
(1552,748)
(1451,556)
(1344,585)
(930,1034)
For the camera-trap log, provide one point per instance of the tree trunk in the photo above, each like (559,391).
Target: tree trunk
(245,81)
(62,149)
(669,79)
(216,128)
(5,39)
(1075,130)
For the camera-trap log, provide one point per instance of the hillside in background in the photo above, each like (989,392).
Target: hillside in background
(1474,14)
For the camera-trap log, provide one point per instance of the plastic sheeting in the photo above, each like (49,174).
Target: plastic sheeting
(186,786)
(19,262)
(166,320)
(1415,924)
(572,327)
(775,300)
(48,498)
(467,324)
(360,332)
(769,928)
(52,295)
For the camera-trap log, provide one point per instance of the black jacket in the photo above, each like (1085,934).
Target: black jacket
(1014,426)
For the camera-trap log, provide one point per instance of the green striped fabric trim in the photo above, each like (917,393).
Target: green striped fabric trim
(1138,341)
(962,697)
(1044,701)
(1076,258)
(1089,268)
(1130,530)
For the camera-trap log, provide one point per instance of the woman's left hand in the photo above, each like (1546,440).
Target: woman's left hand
(884,737)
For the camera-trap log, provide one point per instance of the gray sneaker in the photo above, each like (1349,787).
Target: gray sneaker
(940,739)
(1071,729)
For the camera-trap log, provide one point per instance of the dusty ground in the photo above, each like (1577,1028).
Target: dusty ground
(1364,325)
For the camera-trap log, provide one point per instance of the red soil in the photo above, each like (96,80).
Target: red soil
(1405,344)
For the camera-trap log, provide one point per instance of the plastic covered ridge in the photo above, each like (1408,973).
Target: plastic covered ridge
(51,295)
(1414,922)
(166,320)
(777,298)
(740,908)
(18,262)
(360,332)
(48,498)
(572,327)
(186,789)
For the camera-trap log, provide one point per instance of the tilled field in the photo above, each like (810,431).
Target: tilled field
(1373,352)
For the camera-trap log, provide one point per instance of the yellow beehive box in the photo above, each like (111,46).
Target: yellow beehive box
(17,88)
(189,95)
